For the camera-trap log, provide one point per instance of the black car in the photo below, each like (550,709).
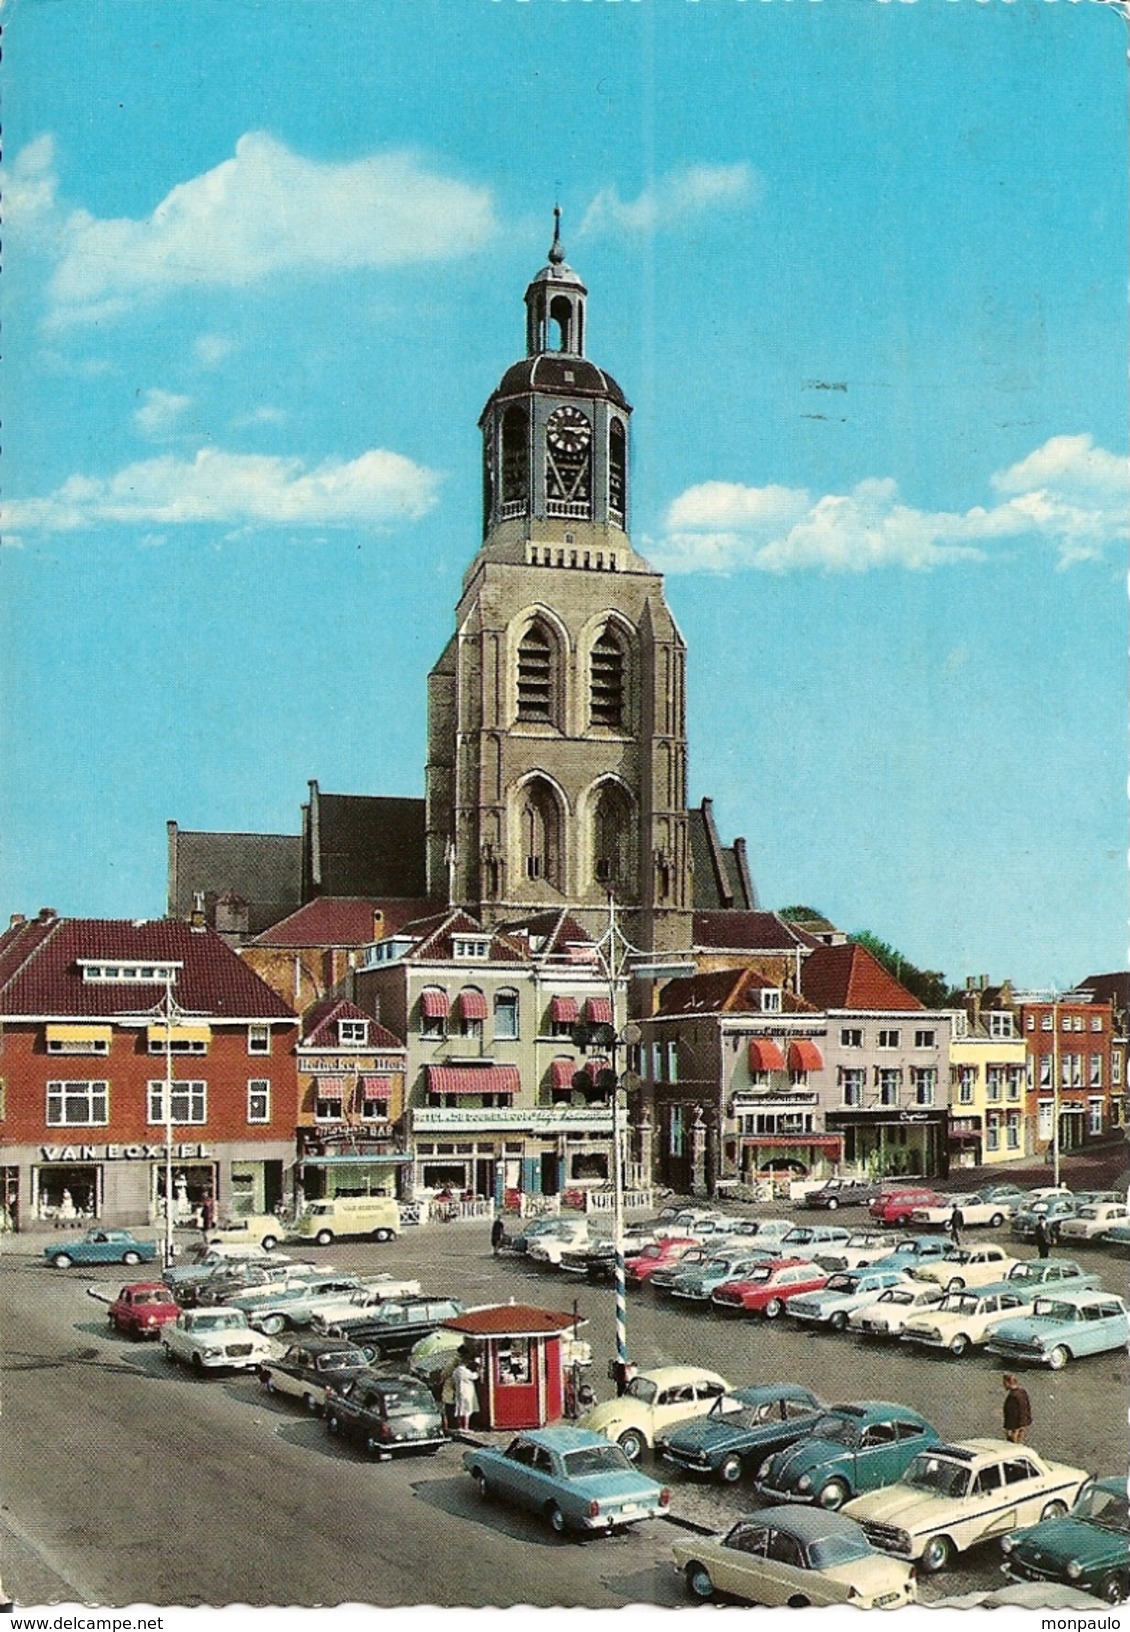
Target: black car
(596,1263)
(307,1369)
(740,1431)
(388,1415)
(393,1328)
(843,1193)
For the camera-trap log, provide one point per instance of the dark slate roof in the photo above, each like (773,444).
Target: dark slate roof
(850,977)
(319,1025)
(721,871)
(214,980)
(1113,988)
(335,920)
(560,375)
(265,869)
(747,932)
(367,847)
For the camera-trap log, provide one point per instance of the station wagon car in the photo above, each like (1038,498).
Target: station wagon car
(888,1315)
(651,1403)
(658,1255)
(975,1209)
(849,1450)
(389,1416)
(740,1430)
(966,1266)
(767,1288)
(1064,1326)
(846,1291)
(843,1193)
(214,1339)
(1050,1274)
(369,1295)
(102,1247)
(142,1308)
(897,1206)
(1089,1549)
(277,1309)
(571,1477)
(306,1369)
(1091,1222)
(394,1327)
(965,1319)
(794,1556)
(954,1496)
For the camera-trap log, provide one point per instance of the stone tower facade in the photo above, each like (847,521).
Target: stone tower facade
(557,754)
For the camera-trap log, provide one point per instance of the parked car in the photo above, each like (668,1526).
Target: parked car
(363,1298)
(531,1229)
(1088,1550)
(652,1401)
(696,1257)
(756,1232)
(861,1249)
(1117,1236)
(214,1339)
(237,1280)
(897,1205)
(849,1450)
(953,1496)
(1049,1274)
(808,1239)
(965,1319)
(548,1246)
(389,1416)
(276,1309)
(595,1262)
(740,1430)
(306,1369)
(1064,1326)
(100,1246)
(699,1221)
(264,1230)
(767,1288)
(143,1308)
(1053,1209)
(571,1477)
(1091,1222)
(843,1193)
(658,1255)
(844,1292)
(975,1209)
(1004,1191)
(888,1315)
(697,1283)
(960,1267)
(911,1250)
(394,1327)
(794,1556)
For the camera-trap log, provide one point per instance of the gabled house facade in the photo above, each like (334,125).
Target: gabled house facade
(988,1089)
(350,1104)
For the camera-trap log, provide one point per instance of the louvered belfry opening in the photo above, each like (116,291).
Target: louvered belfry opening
(535,675)
(607,698)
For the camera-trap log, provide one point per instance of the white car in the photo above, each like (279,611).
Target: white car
(891,1310)
(367,1296)
(967,1266)
(974,1210)
(215,1339)
(964,1319)
(953,1496)
(846,1291)
(569,1235)
(1090,1223)
(862,1247)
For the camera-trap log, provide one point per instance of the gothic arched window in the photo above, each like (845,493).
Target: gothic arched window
(613,847)
(606,691)
(540,833)
(535,675)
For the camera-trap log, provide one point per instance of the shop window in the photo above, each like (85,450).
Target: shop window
(506,1015)
(189,1103)
(259,1100)
(513,1360)
(78,1104)
(258,1039)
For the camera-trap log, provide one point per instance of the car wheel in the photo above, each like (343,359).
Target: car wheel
(198,1365)
(1112,1588)
(958,1345)
(1059,1357)
(269,1384)
(481,1485)
(773,1308)
(955,1285)
(333,1423)
(556,1519)
(382,1235)
(631,1442)
(936,1554)
(996,1221)
(838,1321)
(324,1237)
(272,1325)
(1054,1510)
(834,1494)
(832,1204)
(311,1404)
(62,1260)
(269,1243)
(730,1470)
(797,1602)
(369,1352)
(699,1584)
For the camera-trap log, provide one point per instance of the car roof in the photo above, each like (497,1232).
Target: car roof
(807,1524)
(974,1450)
(565,1439)
(762,1392)
(147,1286)
(1081,1294)
(869,1410)
(680,1374)
(325,1345)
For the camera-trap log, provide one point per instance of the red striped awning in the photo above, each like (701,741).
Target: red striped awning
(434,1003)
(765,1055)
(814,1141)
(564,1011)
(376,1087)
(595,1067)
(473,1079)
(471,1003)
(561,1073)
(598,1011)
(805,1056)
(331,1087)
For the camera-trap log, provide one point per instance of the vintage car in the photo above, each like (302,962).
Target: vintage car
(1006,1190)
(953,1496)
(238,1279)
(1089,1549)
(389,1416)
(571,1477)
(214,1339)
(697,1283)
(696,1257)
(308,1368)
(100,1246)
(888,1315)
(1054,1209)
(658,1255)
(756,1232)
(896,1205)
(1050,1274)
(275,1309)
(1117,1236)
(370,1294)
(908,1251)
(142,1308)
(844,1292)
(1092,1221)
(697,1221)
(965,1319)
(767,1287)
(861,1249)
(849,1450)
(975,1209)
(264,1230)
(569,1234)
(651,1403)
(808,1239)
(1064,1326)
(796,1557)
(394,1327)
(843,1193)
(596,1261)
(740,1430)
(960,1267)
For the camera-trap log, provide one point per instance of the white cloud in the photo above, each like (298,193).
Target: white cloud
(30,185)
(160,413)
(695,190)
(266,415)
(266,210)
(1067,492)
(210,350)
(248,490)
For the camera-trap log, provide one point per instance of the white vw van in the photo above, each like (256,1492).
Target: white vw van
(339,1216)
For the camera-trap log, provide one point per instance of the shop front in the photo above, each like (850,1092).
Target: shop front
(492,1153)
(893,1143)
(325,1169)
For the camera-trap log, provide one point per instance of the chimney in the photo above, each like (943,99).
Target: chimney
(16,920)
(378,924)
(47,915)
(196,918)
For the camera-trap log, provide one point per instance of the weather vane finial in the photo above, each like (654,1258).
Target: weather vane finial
(556,251)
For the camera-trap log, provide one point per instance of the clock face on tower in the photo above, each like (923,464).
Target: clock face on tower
(568,431)
(568,438)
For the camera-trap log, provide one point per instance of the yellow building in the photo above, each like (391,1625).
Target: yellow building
(988,1071)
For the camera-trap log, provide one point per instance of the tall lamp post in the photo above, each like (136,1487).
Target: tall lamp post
(169,1015)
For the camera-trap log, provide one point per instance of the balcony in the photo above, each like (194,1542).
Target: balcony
(516,1119)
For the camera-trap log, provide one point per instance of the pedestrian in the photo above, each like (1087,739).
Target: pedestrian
(466,1395)
(1043,1237)
(497,1234)
(1017,1410)
(957,1221)
(207,1212)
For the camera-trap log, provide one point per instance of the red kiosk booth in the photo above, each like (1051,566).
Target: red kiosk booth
(521,1365)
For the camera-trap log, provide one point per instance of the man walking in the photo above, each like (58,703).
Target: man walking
(1017,1410)
(1043,1237)
(957,1220)
(497,1234)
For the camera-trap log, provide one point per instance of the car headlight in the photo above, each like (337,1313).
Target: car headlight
(804,1482)
(1074,1569)
(765,1468)
(1007,1543)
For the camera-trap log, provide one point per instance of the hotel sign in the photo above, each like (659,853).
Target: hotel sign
(120,1153)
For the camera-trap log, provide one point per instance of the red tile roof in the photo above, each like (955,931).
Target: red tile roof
(725,991)
(435,938)
(343,920)
(319,1025)
(510,1320)
(850,977)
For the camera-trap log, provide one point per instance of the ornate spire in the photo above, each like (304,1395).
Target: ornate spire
(556,248)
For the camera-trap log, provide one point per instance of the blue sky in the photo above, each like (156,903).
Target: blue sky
(862,270)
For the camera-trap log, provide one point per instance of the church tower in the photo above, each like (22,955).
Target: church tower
(557,756)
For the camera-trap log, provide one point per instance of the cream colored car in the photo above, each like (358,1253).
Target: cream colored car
(1091,1222)
(794,1556)
(953,1496)
(967,1266)
(964,1319)
(891,1310)
(652,1401)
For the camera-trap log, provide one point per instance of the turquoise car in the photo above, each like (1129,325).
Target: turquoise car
(1088,1549)
(102,1247)
(571,1477)
(845,1292)
(698,1283)
(1064,1326)
(911,1250)
(850,1449)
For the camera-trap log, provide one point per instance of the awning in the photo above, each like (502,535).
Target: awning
(598,1011)
(82,1034)
(815,1141)
(765,1055)
(563,1011)
(473,1079)
(593,1068)
(434,1003)
(354,1161)
(331,1088)
(561,1073)
(178,1034)
(805,1056)
(471,1004)
(376,1087)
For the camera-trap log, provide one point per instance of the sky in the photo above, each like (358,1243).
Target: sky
(860,267)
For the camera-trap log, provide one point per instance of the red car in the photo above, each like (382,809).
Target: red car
(768,1287)
(896,1206)
(142,1308)
(658,1255)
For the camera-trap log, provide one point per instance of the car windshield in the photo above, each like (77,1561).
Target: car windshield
(843,1430)
(652,1252)
(843,1283)
(761,1272)
(1107,1508)
(1088,1212)
(698,1256)
(407,1397)
(340,1360)
(897,1295)
(959,1303)
(829,1551)
(227,1322)
(935,1474)
(1051,1309)
(641,1388)
(594,1459)
(1026,1272)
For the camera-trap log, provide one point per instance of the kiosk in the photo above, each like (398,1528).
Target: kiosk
(520,1354)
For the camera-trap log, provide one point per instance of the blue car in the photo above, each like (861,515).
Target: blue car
(849,1450)
(1064,1326)
(572,1478)
(102,1247)
(911,1250)
(740,1431)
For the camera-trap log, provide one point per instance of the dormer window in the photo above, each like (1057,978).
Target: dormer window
(473,947)
(138,973)
(353,1033)
(1000,1024)
(771,1000)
